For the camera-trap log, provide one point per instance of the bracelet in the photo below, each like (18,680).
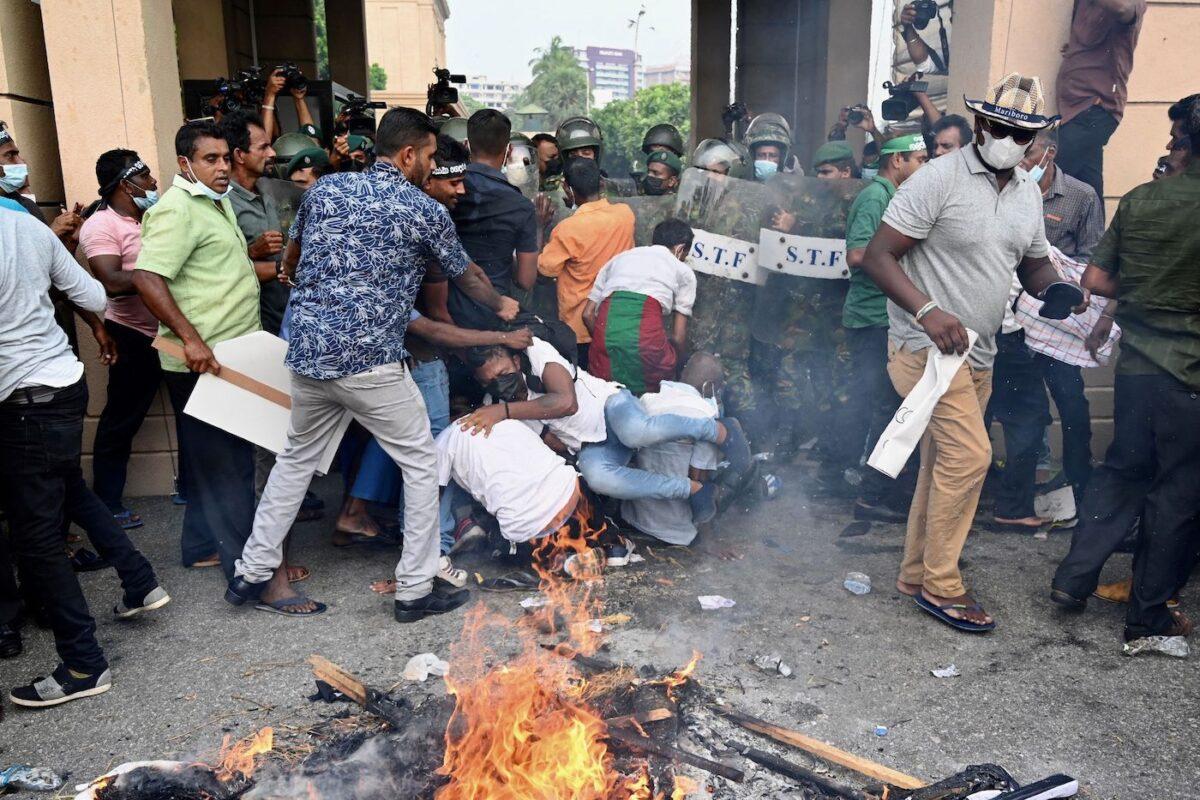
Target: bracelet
(507,413)
(1108,316)
(268,108)
(925,309)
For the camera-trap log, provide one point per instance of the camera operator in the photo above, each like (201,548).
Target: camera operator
(915,17)
(287,78)
(856,116)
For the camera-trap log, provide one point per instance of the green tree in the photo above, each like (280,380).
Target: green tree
(625,122)
(378,77)
(470,104)
(559,83)
(322,39)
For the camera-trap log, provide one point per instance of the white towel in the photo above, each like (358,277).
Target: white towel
(900,437)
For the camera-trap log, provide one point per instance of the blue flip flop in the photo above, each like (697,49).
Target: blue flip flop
(960,624)
(127,519)
(283,605)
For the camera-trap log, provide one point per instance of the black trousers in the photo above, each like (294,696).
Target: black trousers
(1019,404)
(132,385)
(1152,470)
(41,485)
(870,403)
(1065,382)
(1081,146)
(217,475)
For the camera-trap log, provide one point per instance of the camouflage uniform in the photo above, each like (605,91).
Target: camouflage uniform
(799,354)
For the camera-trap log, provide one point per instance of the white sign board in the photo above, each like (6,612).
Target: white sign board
(802,256)
(724,257)
(248,415)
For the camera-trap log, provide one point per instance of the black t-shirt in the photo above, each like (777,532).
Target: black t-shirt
(494,221)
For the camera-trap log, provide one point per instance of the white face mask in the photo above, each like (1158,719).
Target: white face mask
(1001,153)
(14,177)
(209,192)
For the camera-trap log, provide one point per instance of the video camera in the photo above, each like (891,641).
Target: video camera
(247,86)
(356,116)
(441,93)
(902,102)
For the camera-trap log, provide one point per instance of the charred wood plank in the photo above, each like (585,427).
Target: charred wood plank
(640,743)
(798,773)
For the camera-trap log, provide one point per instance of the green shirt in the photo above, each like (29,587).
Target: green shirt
(200,251)
(866,305)
(1153,247)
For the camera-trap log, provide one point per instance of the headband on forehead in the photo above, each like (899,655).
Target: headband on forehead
(449,171)
(135,168)
(5,136)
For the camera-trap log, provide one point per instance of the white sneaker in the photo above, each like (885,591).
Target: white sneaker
(156,598)
(451,574)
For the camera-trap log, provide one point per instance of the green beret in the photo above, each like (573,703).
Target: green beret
(672,161)
(356,142)
(309,157)
(832,151)
(911,143)
(312,131)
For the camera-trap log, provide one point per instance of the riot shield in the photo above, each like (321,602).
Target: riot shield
(802,258)
(521,168)
(648,211)
(286,196)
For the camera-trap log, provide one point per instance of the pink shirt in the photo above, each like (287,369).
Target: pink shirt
(107,233)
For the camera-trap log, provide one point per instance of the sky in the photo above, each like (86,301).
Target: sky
(497,39)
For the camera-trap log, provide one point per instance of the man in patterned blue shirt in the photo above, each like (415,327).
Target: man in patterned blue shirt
(358,251)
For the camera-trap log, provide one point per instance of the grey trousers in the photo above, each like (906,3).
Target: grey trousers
(385,400)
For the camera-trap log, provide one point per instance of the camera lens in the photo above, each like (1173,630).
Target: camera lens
(855,117)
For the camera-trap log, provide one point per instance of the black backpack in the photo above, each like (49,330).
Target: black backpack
(556,333)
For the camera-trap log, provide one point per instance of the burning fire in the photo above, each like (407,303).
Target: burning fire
(522,730)
(237,761)
(680,676)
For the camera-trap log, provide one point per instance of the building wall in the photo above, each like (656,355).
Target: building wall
(408,39)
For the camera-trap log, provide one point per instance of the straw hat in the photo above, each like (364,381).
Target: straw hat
(1016,101)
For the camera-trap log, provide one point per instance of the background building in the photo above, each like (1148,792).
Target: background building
(667,74)
(613,73)
(408,39)
(493,94)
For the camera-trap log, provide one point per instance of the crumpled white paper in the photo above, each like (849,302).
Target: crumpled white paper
(421,667)
(711,602)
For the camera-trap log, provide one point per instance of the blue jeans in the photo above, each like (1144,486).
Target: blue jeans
(605,465)
(378,479)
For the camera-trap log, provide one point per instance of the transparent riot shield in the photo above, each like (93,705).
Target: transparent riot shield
(286,196)
(799,303)
(521,168)
(648,211)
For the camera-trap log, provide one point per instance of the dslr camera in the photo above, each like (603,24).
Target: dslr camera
(441,93)
(854,114)
(357,116)
(293,77)
(902,102)
(925,11)
(228,95)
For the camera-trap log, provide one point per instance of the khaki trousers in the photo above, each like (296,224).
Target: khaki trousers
(955,456)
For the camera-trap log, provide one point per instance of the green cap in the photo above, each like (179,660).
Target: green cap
(911,143)
(310,157)
(311,130)
(357,142)
(832,151)
(672,161)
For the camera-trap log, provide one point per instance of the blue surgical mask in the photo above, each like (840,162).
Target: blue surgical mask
(15,176)
(208,191)
(765,169)
(869,173)
(146,200)
(1037,171)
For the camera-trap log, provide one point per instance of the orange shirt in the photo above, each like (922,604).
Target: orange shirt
(579,247)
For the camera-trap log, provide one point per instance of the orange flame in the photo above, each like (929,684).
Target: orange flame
(237,761)
(680,676)
(683,787)
(521,730)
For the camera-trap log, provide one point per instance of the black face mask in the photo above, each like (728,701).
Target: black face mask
(507,387)
(654,186)
(554,166)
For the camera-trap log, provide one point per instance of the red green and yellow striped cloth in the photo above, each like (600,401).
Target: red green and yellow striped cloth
(629,343)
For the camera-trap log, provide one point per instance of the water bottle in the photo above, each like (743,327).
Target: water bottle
(857,583)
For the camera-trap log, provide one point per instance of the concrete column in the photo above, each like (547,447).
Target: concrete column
(203,51)
(408,39)
(346,27)
(284,32)
(25,101)
(711,44)
(115,77)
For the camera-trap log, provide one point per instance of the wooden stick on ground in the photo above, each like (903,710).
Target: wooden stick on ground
(653,715)
(642,744)
(338,678)
(587,662)
(821,749)
(797,772)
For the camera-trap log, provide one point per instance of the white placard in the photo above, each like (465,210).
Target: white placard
(725,257)
(245,414)
(802,256)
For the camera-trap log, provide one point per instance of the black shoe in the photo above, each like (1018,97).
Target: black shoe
(242,591)
(84,560)
(436,602)
(60,687)
(10,641)
(1068,602)
(878,513)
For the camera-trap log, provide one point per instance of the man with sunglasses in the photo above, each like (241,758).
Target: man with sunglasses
(945,255)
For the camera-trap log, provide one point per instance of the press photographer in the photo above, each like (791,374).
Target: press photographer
(916,17)
(441,98)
